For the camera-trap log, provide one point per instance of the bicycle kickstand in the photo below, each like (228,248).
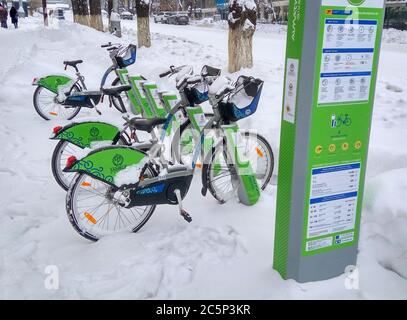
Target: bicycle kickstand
(182,212)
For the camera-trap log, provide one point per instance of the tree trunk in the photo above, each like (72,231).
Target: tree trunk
(262,9)
(45,12)
(246,43)
(75,11)
(34,4)
(109,12)
(242,24)
(83,12)
(143,24)
(95,18)
(233,49)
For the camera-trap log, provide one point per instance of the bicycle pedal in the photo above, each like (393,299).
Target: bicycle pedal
(186,216)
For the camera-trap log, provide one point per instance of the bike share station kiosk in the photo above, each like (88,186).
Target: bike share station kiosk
(330,78)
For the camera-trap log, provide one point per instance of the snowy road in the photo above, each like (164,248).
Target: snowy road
(227,251)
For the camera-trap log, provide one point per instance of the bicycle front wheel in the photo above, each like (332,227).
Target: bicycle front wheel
(221,175)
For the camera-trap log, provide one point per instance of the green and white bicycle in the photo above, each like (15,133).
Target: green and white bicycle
(50,96)
(117,188)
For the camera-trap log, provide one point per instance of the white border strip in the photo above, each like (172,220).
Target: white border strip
(345,3)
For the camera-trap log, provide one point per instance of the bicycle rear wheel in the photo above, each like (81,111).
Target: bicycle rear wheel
(63,150)
(96,210)
(48,107)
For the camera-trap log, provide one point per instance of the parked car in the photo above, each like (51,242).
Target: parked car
(158,17)
(166,16)
(178,18)
(126,15)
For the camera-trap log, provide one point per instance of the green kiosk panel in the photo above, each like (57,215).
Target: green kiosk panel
(330,77)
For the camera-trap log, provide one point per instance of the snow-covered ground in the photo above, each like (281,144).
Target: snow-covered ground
(227,251)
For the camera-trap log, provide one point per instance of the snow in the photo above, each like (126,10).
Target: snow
(248,25)
(131,174)
(227,251)
(241,99)
(245,4)
(220,84)
(114,16)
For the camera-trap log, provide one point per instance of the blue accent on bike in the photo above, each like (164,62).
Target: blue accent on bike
(248,88)
(77,98)
(166,125)
(131,60)
(124,60)
(200,96)
(105,75)
(150,190)
(240,113)
(197,150)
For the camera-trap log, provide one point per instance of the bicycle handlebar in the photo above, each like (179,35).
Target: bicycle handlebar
(166,73)
(224,91)
(194,80)
(173,70)
(106,45)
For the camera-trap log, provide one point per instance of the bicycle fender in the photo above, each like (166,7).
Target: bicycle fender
(53,82)
(248,190)
(85,134)
(106,163)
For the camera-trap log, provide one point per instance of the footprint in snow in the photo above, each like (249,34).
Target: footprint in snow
(394,88)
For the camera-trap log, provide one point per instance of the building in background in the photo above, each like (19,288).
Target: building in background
(396,14)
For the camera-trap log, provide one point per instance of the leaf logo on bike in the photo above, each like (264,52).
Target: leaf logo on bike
(118,160)
(94,132)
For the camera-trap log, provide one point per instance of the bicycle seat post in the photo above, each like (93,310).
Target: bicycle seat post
(81,78)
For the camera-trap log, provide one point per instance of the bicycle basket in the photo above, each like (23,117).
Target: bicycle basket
(127,56)
(243,100)
(198,93)
(209,71)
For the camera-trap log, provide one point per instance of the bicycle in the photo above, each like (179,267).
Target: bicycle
(132,182)
(52,91)
(75,137)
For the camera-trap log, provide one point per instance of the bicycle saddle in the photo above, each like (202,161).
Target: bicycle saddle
(146,124)
(72,63)
(115,91)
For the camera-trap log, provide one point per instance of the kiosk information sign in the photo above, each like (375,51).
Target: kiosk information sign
(330,78)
